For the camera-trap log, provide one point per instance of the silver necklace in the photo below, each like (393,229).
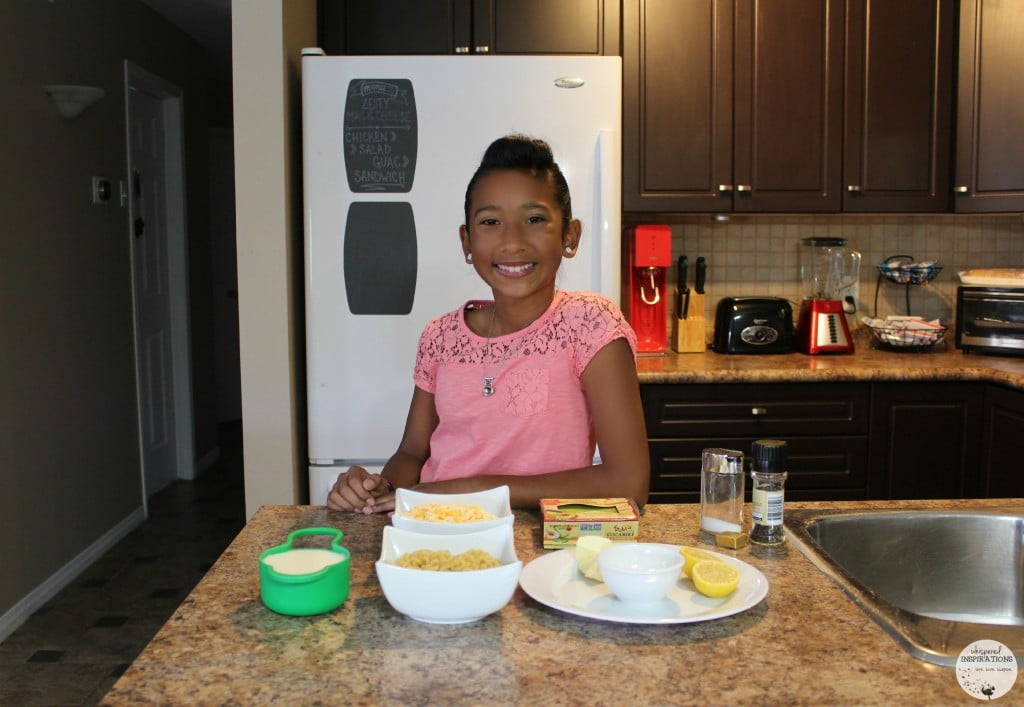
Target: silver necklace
(489,379)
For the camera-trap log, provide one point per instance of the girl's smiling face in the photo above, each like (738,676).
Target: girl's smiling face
(516,232)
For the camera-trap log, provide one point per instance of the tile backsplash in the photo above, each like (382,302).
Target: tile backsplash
(754,255)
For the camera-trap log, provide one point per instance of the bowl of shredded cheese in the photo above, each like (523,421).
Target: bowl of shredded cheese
(448,579)
(454,513)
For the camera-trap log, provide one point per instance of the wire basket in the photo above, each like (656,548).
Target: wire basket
(901,270)
(900,336)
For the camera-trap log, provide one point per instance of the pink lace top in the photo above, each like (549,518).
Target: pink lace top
(537,419)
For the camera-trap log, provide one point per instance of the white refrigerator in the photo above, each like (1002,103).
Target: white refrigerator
(389,144)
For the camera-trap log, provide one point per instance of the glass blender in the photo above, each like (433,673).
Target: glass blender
(829,272)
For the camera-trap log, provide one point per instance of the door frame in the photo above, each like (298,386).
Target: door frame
(176,230)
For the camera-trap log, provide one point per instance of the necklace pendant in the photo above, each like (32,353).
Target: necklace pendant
(488,386)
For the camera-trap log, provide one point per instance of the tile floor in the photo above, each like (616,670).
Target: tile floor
(73,649)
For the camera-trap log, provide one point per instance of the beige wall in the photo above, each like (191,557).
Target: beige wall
(69,459)
(267,38)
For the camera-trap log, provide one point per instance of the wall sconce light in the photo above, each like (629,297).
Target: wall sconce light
(72,100)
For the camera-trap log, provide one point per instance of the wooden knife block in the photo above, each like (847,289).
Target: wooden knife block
(689,335)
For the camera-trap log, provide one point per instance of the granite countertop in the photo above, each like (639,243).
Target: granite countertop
(805,643)
(867,363)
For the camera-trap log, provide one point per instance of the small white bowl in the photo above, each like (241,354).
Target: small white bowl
(448,597)
(640,572)
(495,501)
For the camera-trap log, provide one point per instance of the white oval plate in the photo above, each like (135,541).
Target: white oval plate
(555,581)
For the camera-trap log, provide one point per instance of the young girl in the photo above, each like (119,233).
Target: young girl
(519,390)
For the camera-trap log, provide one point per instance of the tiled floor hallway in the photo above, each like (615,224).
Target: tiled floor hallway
(72,650)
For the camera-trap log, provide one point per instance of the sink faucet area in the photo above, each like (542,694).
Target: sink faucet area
(936,581)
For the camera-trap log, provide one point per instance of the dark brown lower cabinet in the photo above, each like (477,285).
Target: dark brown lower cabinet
(924,440)
(1001,471)
(847,441)
(825,426)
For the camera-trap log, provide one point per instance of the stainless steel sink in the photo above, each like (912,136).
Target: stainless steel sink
(935,581)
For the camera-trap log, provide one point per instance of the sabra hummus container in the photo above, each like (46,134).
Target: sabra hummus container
(568,519)
(306,580)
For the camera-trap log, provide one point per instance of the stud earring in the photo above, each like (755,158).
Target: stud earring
(469,257)
(568,250)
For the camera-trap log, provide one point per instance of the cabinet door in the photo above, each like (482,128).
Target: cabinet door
(825,426)
(1001,474)
(394,26)
(924,440)
(755,410)
(469,26)
(677,62)
(546,26)
(990,108)
(788,107)
(821,468)
(899,89)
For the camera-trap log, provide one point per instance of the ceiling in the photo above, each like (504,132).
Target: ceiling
(206,21)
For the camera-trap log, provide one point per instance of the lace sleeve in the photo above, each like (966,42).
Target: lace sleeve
(425,372)
(596,322)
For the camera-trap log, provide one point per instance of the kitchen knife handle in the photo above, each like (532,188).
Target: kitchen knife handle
(702,269)
(680,286)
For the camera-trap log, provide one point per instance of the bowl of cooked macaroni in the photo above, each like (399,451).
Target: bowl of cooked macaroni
(452,513)
(448,579)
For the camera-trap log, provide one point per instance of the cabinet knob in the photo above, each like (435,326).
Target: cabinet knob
(462,49)
(854,189)
(960,190)
(481,49)
(725,187)
(743,187)
(758,411)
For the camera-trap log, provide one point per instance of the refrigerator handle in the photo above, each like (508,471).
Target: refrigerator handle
(608,214)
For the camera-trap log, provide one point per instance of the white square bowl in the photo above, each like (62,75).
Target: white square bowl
(495,501)
(448,597)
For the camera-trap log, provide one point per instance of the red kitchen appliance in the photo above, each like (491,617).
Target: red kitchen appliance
(829,272)
(650,256)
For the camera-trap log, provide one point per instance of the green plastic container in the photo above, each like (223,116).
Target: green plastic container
(307,593)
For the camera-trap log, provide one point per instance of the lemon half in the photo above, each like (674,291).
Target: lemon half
(714,578)
(692,556)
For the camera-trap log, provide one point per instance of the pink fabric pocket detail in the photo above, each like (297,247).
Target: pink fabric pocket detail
(527,391)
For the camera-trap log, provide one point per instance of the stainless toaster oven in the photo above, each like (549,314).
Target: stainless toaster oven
(990,320)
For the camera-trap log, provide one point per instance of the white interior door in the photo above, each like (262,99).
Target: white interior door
(157,224)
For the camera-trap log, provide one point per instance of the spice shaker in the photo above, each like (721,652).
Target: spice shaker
(768,474)
(721,491)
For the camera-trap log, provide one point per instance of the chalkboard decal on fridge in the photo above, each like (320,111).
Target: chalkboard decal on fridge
(380,257)
(380,135)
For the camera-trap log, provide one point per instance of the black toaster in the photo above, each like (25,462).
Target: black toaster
(745,325)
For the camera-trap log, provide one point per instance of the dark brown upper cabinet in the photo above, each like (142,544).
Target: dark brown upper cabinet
(732,105)
(677,111)
(899,91)
(990,108)
(469,26)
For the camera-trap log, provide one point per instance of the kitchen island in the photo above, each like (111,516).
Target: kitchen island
(805,643)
